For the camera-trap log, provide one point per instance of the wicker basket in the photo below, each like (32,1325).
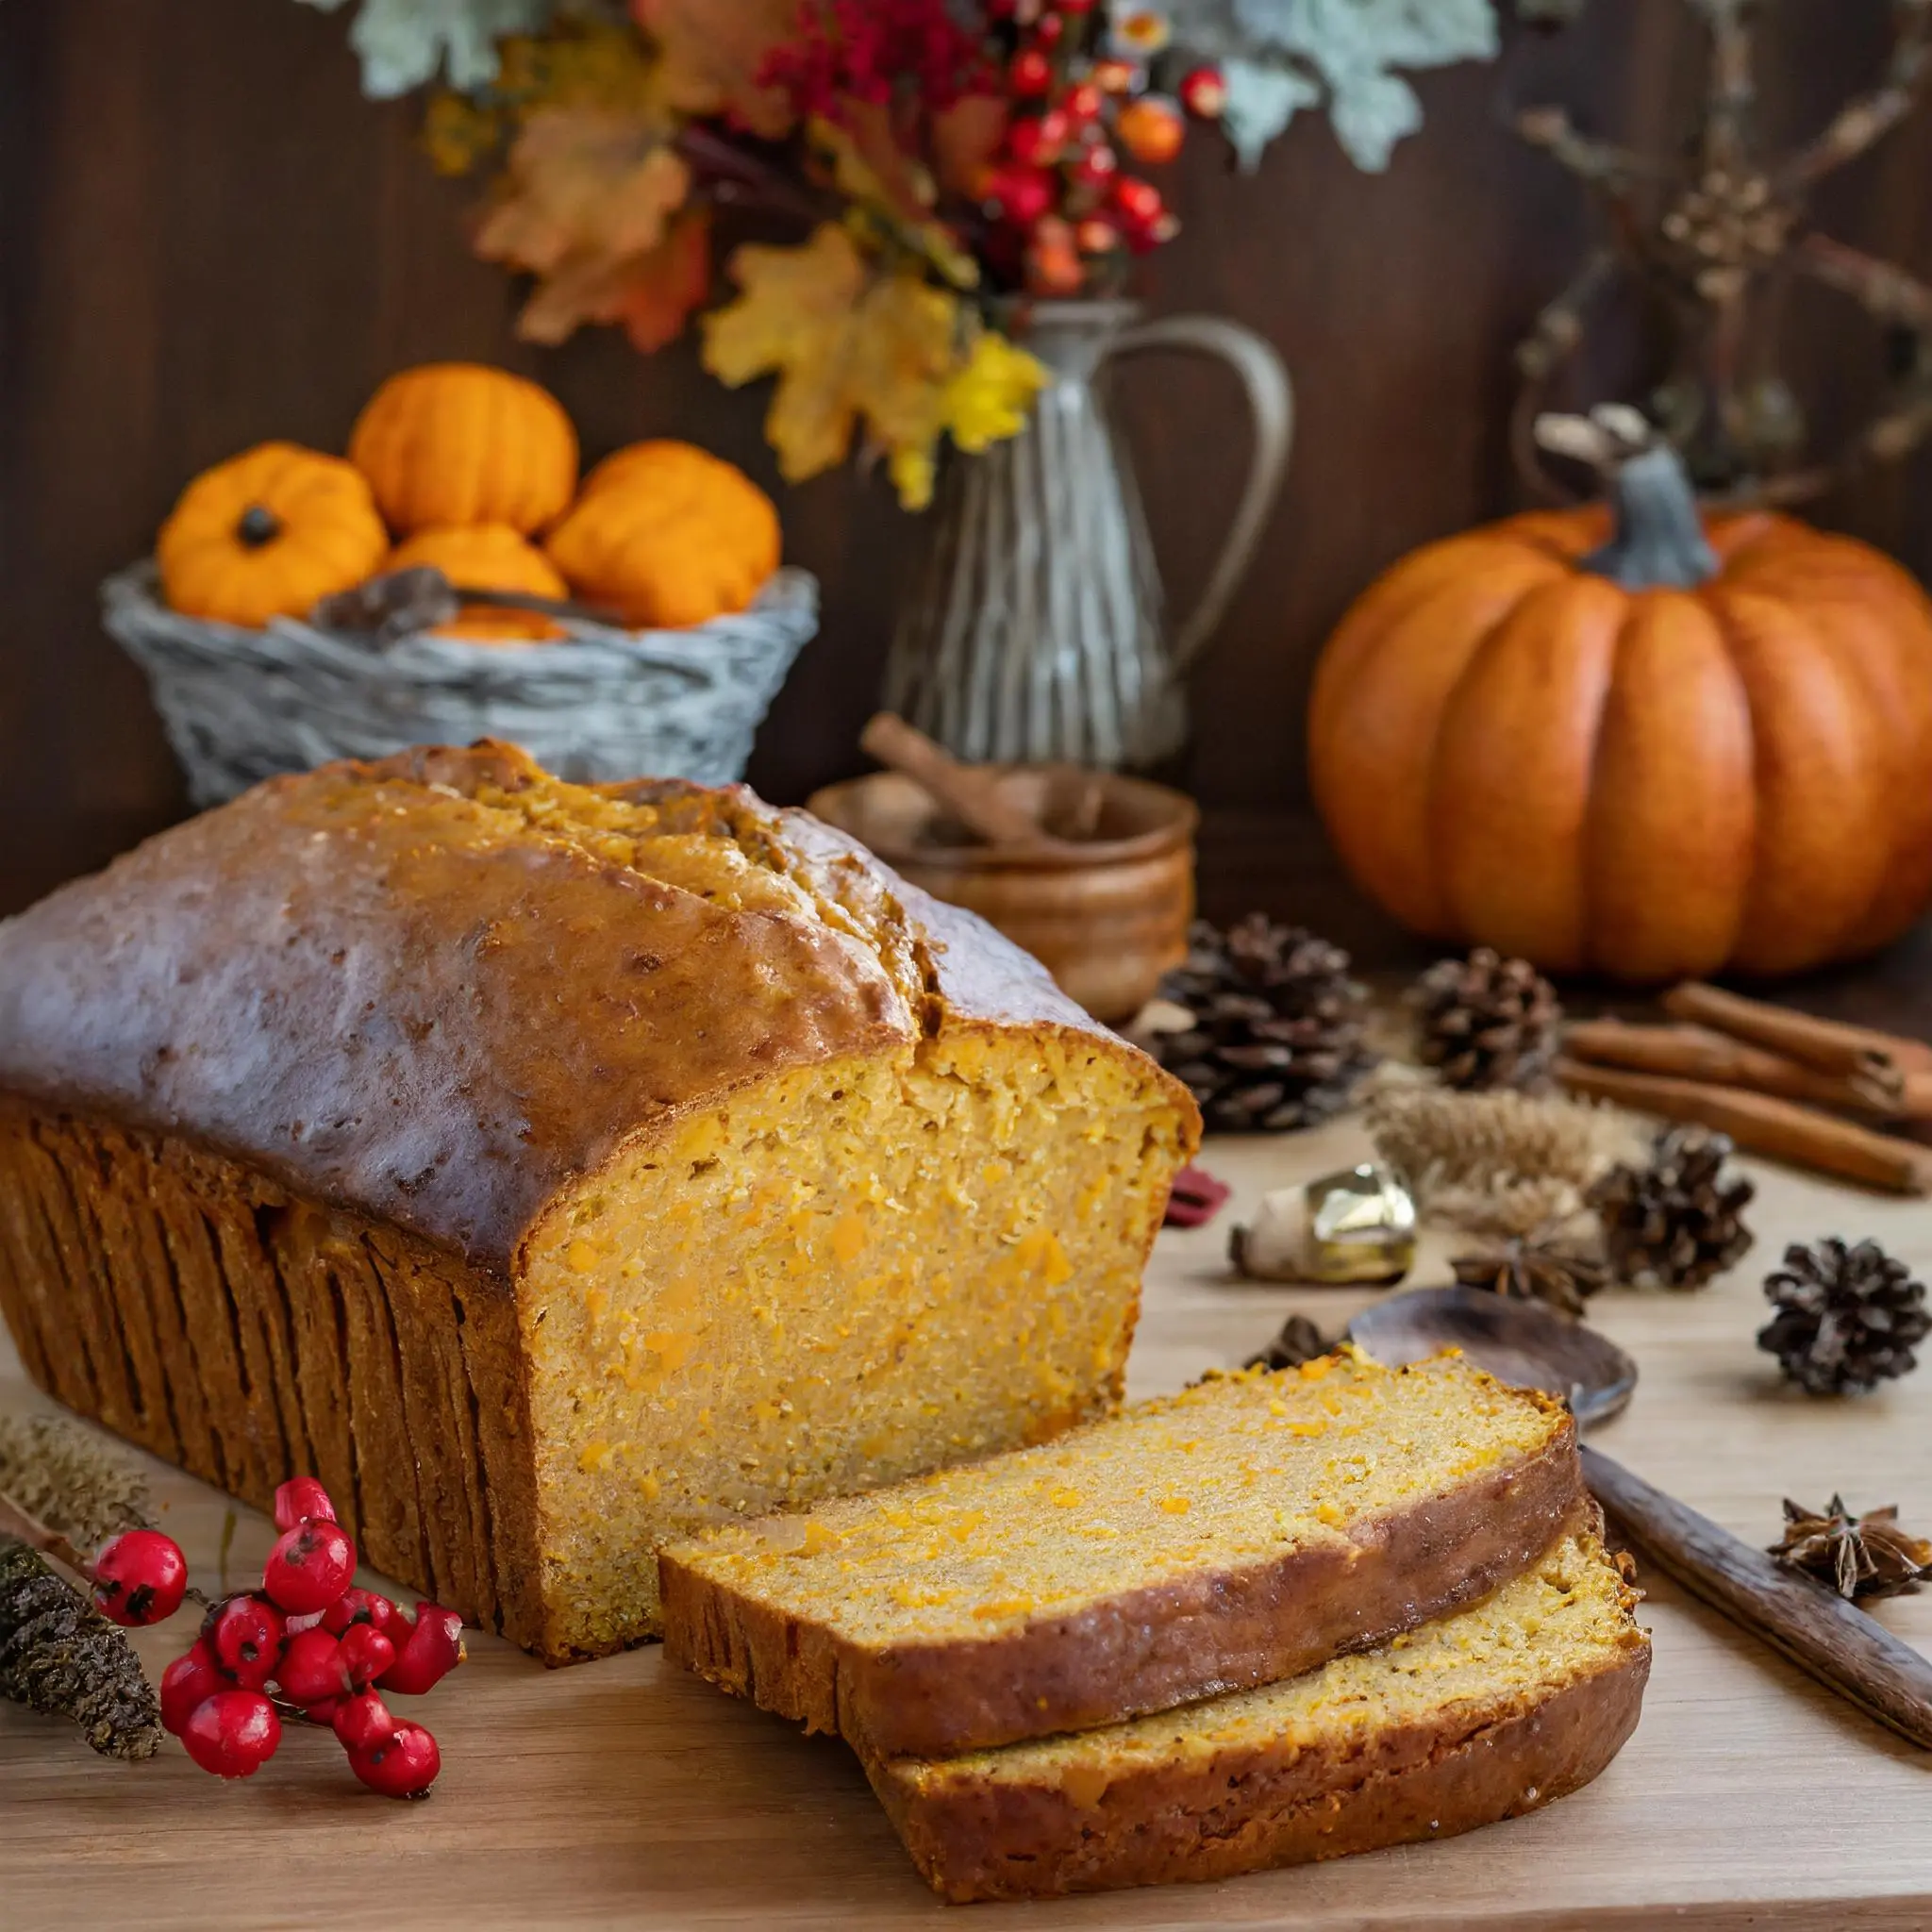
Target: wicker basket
(240,705)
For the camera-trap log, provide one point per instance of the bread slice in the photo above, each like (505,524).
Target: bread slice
(1478,1717)
(1243,1531)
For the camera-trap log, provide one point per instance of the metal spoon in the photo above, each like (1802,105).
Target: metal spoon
(1531,1347)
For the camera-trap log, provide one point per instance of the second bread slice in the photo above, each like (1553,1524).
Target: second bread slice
(1246,1531)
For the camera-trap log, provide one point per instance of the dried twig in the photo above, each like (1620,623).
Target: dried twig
(1731,227)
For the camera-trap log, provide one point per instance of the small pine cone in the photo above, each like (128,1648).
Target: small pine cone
(62,1659)
(1677,1223)
(1487,1022)
(1846,1317)
(1276,1039)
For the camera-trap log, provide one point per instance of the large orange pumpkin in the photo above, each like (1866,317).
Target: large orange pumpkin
(1635,740)
(460,443)
(266,534)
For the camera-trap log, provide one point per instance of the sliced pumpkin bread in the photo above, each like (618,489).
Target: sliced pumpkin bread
(1245,1531)
(1477,1717)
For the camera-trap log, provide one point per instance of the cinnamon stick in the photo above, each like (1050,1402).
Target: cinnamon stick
(1843,1648)
(970,792)
(1830,1045)
(1763,1123)
(1697,1053)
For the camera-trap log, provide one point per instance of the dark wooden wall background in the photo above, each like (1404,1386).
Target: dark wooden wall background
(206,238)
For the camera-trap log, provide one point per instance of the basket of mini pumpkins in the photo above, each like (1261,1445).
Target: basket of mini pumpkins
(451,579)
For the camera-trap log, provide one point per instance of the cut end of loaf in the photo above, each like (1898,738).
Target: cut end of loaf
(832,1281)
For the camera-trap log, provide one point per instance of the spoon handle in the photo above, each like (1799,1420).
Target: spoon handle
(1843,1647)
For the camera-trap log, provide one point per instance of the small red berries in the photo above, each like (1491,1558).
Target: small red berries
(362,1722)
(306,1645)
(309,1567)
(1138,201)
(1150,129)
(432,1649)
(404,1765)
(233,1734)
(312,1668)
(1082,103)
(1096,166)
(366,1652)
(358,1606)
(1030,74)
(1204,93)
(246,1637)
(301,1499)
(1036,140)
(139,1577)
(190,1680)
(1023,195)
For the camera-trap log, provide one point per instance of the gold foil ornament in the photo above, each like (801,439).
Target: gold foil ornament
(1357,1228)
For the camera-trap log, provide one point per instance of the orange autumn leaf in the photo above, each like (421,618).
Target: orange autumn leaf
(651,295)
(711,54)
(966,139)
(584,182)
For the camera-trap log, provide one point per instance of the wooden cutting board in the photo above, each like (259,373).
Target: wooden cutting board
(625,1793)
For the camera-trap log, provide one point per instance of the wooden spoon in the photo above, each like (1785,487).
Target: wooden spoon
(971,793)
(1532,1346)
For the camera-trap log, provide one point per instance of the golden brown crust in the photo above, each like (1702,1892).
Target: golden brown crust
(1250,1808)
(357,983)
(1216,1631)
(205,1313)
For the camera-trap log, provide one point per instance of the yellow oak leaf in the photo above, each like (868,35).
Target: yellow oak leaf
(992,393)
(712,51)
(847,343)
(987,399)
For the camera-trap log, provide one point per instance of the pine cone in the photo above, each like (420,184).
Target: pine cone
(1276,1039)
(1846,1317)
(1678,1222)
(1533,1270)
(58,1656)
(1487,1022)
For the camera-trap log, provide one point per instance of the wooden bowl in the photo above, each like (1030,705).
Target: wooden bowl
(1105,919)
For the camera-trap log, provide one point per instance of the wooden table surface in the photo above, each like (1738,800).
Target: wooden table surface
(626,1793)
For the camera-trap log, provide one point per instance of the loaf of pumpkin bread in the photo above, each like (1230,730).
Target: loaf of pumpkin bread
(557,1170)
(1483,1715)
(1245,1530)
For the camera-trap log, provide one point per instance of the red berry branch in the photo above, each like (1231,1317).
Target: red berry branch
(1086,85)
(308,1645)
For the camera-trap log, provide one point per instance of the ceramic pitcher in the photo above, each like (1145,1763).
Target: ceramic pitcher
(1034,627)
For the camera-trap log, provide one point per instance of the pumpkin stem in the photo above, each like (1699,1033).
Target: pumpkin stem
(1659,540)
(258,524)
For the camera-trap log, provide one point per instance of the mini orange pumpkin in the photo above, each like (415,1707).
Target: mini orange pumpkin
(458,442)
(668,535)
(266,534)
(1635,740)
(487,557)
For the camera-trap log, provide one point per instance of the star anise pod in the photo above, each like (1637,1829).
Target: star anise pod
(1299,1341)
(1867,1556)
(1534,1269)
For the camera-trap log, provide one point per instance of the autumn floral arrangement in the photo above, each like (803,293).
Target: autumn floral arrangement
(928,163)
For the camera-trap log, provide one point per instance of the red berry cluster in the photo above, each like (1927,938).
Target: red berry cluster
(1082,82)
(306,1645)
(872,51)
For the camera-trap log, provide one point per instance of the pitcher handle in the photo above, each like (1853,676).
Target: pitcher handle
(1270,404)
